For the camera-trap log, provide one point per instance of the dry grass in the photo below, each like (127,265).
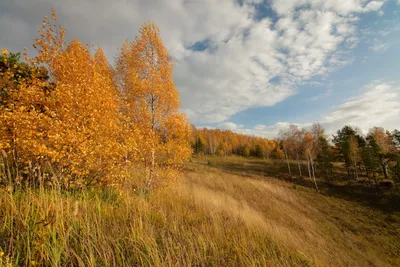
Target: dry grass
(106,228)
(212,218)
(321,228)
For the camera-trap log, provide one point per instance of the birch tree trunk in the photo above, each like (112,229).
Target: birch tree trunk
(384,169)
(298,162)
(313,168)
(355,168)
(287,161)
(313,173)
(308,166)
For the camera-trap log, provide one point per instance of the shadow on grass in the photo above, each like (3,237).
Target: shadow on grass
(383,199)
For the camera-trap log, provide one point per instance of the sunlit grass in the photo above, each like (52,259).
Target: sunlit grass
(211,218)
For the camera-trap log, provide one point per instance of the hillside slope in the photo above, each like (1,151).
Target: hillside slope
(212,218)
(325,230)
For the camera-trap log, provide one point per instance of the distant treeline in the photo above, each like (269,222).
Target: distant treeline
(225,142)
(375,155)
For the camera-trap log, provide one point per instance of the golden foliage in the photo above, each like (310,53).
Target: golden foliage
(151,104)
(80,123)
(225,142)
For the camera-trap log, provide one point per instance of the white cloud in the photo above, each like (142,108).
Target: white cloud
(326,93)
(251,63)
(373,6)
(342,7)
(382,39)
(269,131)
(379,45)
(229,126)
(260,127)
(379,105)
(253,1)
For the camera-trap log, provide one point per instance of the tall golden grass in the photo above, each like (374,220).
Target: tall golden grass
(211,218)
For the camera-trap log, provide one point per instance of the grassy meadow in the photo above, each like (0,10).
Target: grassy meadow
(224,212)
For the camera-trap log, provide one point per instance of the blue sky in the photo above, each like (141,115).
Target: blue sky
(374,60)
(251,66)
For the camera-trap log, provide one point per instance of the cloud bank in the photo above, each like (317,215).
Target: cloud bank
(378,105)
(230,55)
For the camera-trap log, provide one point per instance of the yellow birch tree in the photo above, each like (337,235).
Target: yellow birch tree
(152,106)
